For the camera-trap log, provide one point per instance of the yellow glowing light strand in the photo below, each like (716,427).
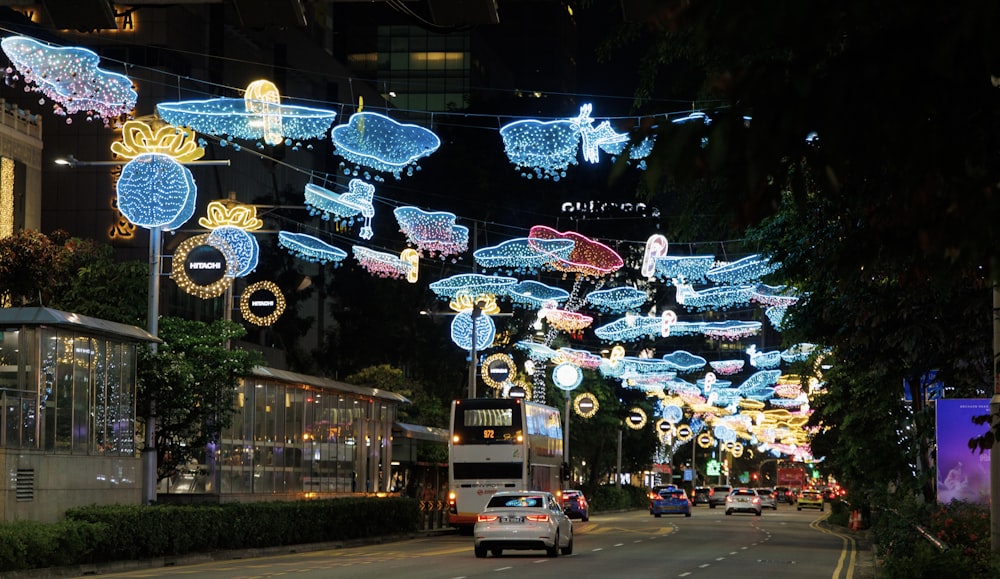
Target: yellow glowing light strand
(484,370)
(465,302)
(579,409)
(279,303)
(225,213)
(139,137)
(637,424)
(6,197)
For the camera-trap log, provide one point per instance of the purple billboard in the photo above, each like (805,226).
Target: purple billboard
(962,474)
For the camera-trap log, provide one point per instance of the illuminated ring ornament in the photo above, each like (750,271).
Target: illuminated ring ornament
(636,419)
(705,440)
(567,376)
(586,405)
(665,429)
(180,276)
(684,432)
(736,450)
(248,296)
(497,363)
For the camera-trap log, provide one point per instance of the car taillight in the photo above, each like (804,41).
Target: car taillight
(486,518)
(756,500)
(537,518)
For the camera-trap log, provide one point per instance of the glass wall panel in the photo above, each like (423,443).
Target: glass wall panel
(103,442)
(83,350)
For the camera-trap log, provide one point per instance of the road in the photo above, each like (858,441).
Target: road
(782,544)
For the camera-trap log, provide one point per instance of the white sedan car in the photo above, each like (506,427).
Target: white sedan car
(523,520)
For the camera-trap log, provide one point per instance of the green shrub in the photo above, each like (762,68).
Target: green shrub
(33,545)
(611,498)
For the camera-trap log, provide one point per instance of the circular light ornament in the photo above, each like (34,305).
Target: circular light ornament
(705,440)
(262,303)
(636,419)
(737,449)
(497,369)
(684,432)
(567,376)
(519,390)
(461,331)
(673,413)
(665,429)
(197,256)
(586,405)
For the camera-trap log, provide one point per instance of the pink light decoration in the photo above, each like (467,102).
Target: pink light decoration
(727,367)
(588,257)
(565,321)
(432,232)
(580,358)
(384,265)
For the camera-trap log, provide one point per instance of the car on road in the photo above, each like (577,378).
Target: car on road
(719,494)
(768,500)
(743,500)
(575,505)
(670,501)
(810,499)
(523,520)
(702,495)
(784,495)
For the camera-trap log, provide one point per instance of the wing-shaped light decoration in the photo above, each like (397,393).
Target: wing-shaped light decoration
(375,141)
(533,294)
(70,77)
(617,300)
(387,265)
(770,295)
(565,321)
(685,268)
(259,116)
(588,257)
(731,330)
(472,284)
(537,351)
(580,358)
(684,361)
(232,222)
(310,248)
(763,360)
(748,269)
(358,200)
(713,298)
(432,232)
(524,255)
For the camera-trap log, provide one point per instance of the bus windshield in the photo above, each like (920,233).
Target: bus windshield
(487,425)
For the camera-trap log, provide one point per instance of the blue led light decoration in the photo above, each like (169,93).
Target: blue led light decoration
(259,116)
(567,376)
(545,149)
(524,255)
(686,268)
(432,232)
(154,190)
(472,283)
(345,207)
(387,265)
(763,360)
(71,79)
(532,294)
(713,298)
(617,300)
(748,269)
(379,143)
(231,222)
(309,248)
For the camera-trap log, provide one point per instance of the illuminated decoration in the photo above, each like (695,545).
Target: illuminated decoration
(588,257)
(123,228)
(154,190)
(567,376)
(636,419)
(656,246)
(586,405)
(259,116)
(232,222)
(581,358)
(466,302)
(745,270)
(309,248)
(255,296)
(524,255)
(776,315)
(433,232)
(731,330)
(629,329)
(684,433)
(472,283)
(705,440)
(357,201)
(379,143)
(461,331)
(727,367)
(6,197)
(179,272)
(760,379)
(686,268)
(763,360)
(387,265)
(138,138)
(673,413)
(538,352)
(770,295)
(684,361)
(666,430)
(799,352)
(545,149)
(70,77)
(713,298)
(500,364)
(535,294)
(565,321)
(617,300)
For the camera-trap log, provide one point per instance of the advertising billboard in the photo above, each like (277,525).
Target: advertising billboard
(962,474)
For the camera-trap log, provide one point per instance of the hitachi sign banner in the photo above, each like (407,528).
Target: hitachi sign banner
(263,302)
(205,265)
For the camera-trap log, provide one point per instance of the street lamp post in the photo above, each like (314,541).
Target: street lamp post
(477,310)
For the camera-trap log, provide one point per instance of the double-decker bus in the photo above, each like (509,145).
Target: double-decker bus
(500,444)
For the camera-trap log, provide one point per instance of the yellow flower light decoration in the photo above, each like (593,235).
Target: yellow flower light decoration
(465,302)
(230,214)
(138,137)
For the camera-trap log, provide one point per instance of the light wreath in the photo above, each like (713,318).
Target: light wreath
(705,440)
(665,429)
(212,290)
(684,433)
(484,370)
(279,303)
(636,411)
(585,413)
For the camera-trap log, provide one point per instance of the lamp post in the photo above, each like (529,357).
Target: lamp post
(477,310)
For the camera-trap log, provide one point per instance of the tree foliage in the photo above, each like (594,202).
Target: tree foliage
(189,385)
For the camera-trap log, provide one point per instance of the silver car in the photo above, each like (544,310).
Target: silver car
(768,500)
(743,500)
(523,520)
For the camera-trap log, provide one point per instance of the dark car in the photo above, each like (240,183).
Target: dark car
(719,494)
(575,505)
(701,495)
(784,495)
(670,501)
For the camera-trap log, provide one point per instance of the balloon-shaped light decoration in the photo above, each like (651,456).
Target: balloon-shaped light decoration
(567,376)
(233,223)
(379,143)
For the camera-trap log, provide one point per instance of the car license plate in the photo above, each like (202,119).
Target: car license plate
(511,519)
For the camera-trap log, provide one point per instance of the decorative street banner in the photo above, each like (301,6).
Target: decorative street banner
(962,474)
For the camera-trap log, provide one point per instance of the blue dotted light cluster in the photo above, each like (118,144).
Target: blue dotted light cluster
(357,201)
(763,360)
(382,264)
(433,232)
(236,118)
(534,294)
(461,331)
(524,255)
(617,300)
(713,298)
(243,245)
(687,268)
(379,143)
(745,270)
(309,248)
(154,190)
(472,284)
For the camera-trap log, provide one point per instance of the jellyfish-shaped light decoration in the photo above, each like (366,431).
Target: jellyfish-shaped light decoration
(310,248)
(432,232)
(345,207)
(379,143)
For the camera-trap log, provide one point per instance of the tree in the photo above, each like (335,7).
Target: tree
(192,377)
